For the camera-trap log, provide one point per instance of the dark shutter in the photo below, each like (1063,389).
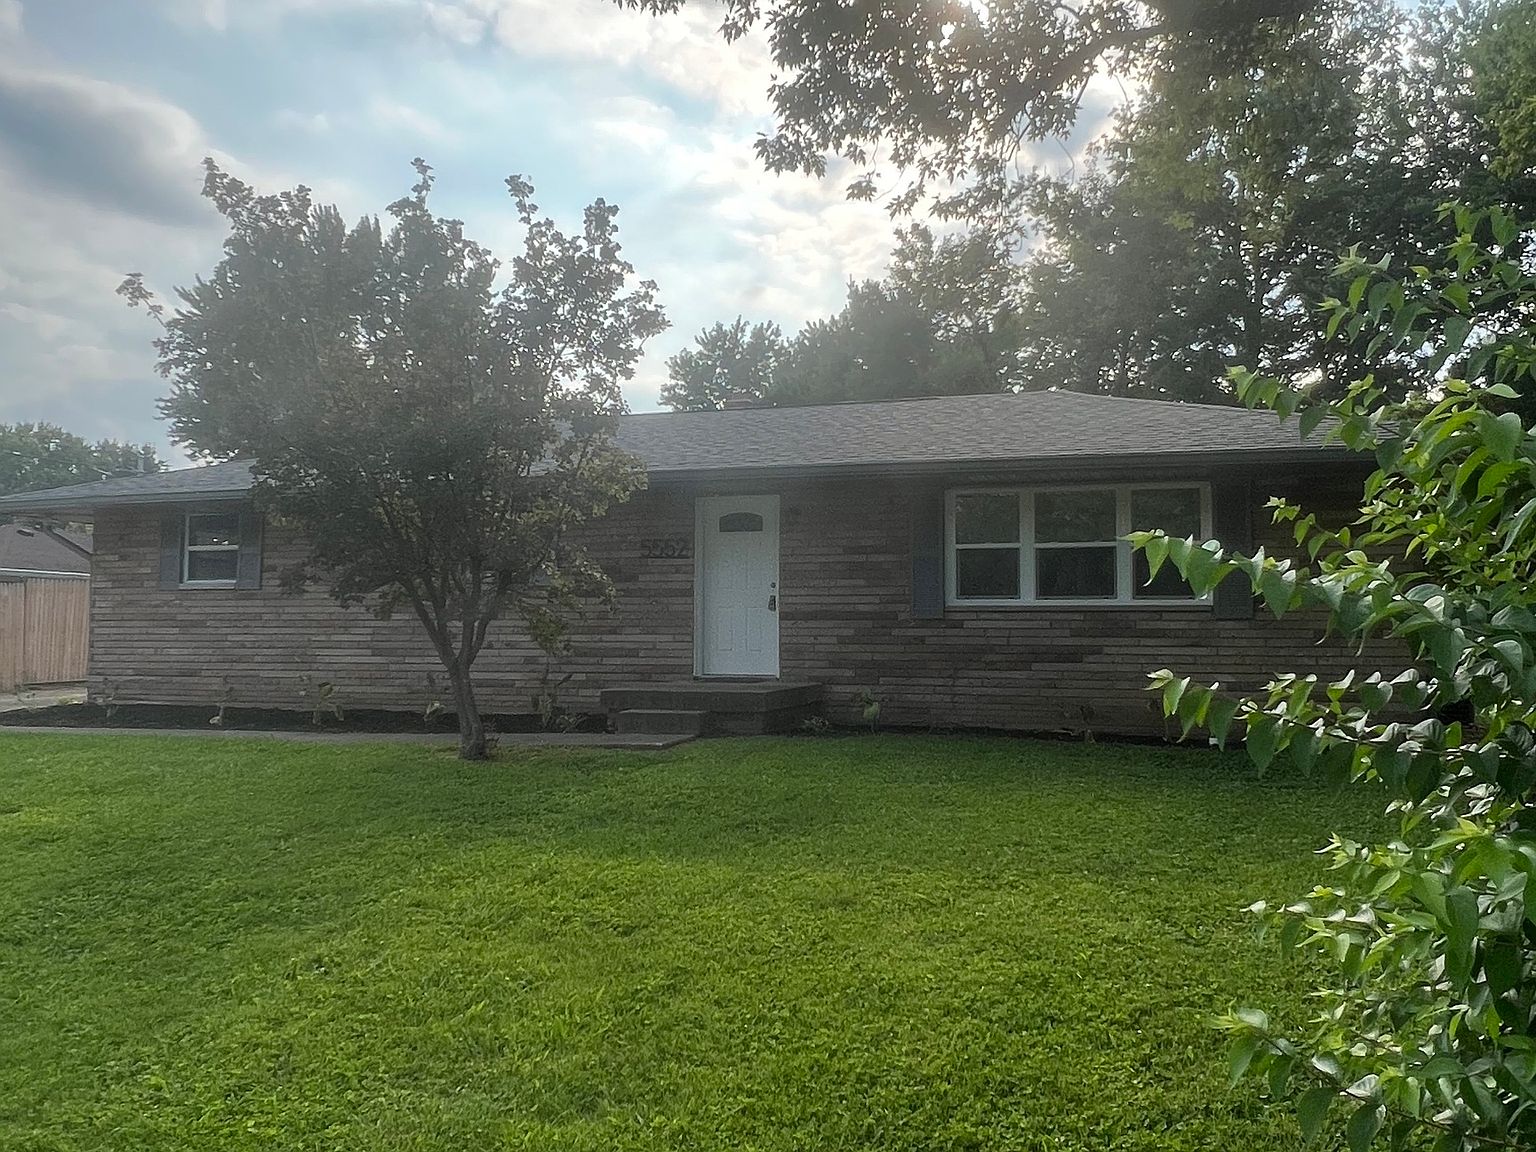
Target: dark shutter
(1232,524)
(171,524)
(928,554)
(248,573)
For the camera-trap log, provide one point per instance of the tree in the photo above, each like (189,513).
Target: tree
(1426,1022)
(37,456)
(1204,229)
(435,438)
(727,360)
(944,321)
(944,88)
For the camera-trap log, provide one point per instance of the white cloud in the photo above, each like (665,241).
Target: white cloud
(10,19)
(309,123)
(105,143)
(397,117)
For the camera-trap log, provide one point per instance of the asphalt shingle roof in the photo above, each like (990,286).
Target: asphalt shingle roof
(937,433)
(949,430)
(35,550)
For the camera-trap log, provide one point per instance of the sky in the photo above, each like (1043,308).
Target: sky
(107,108)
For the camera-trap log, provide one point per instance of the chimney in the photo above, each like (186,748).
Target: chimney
(737,400)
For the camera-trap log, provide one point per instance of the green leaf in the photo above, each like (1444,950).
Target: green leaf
(1310,418)
(1503,433)
(1243,1050)
(1173,692)
(1279,1075)
(1461,934)
(1263,739)
(1456,331)
(1303,746)
(1504,227)
(1312,1110)
(1518,523)
(1276,587)
(1218,718)
(1362,1127)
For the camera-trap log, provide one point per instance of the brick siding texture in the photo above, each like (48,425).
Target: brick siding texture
(845,621)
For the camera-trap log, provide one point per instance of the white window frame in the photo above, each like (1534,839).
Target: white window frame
(1124,572)
(188,548)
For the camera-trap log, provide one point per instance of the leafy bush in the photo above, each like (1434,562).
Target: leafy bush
(1425,1027)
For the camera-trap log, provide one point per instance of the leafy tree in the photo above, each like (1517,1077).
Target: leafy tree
(727,360)
(942,88)
(1426,1024)
(944,321)
(1205,228)
(1504,86)
(434,437)
(37,456)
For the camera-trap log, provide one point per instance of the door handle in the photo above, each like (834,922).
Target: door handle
(773,603)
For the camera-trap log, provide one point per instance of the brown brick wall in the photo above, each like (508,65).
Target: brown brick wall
(845,619)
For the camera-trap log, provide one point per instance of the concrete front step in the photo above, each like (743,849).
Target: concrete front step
(668,721)
(712,695)
(740,707)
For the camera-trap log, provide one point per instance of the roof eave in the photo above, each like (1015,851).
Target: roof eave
(64,504)
(1189,462)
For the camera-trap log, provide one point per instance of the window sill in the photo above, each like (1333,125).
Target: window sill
(203,585)
(1081,605)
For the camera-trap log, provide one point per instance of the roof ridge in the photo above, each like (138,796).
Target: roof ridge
(1070,394)
(855,403)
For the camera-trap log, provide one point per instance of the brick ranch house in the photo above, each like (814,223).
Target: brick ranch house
(955,558)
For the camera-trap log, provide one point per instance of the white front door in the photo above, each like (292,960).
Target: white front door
(738,586)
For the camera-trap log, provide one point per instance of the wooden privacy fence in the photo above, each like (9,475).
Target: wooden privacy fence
(44,630)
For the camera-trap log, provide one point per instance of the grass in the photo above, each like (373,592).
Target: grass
(883,943)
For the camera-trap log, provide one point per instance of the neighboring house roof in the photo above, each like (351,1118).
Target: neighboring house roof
(27,549)
(945,433)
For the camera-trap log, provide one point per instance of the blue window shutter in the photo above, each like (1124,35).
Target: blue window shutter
(1232,524)
(171,524)
(248,571)
(928,554)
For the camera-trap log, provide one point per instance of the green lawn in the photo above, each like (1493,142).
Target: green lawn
(883,943)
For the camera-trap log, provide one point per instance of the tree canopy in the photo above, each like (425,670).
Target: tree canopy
(434,435)
(1203,227)
(37,456)
(939,89)
(1206,226)
(944,320)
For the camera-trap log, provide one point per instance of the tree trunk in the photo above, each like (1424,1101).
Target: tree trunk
(471,724)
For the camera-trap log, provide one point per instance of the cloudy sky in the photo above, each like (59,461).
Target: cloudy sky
(108,106)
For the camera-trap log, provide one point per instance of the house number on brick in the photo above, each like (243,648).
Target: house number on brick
(666,548)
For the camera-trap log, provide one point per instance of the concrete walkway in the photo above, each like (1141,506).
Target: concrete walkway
(29,699)
(638,741)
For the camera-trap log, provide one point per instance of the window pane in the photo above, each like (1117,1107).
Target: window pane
(1075,573)
(222,529)
(1064,517)
(211,565)
(741,522)
(987,519)
(1169,585)
(987,573)
(1175,510)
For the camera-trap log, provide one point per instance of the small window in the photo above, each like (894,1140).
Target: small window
(211,548)
(987,546)
(741,522)
(987,518)
(1176,511)
(1076,552)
